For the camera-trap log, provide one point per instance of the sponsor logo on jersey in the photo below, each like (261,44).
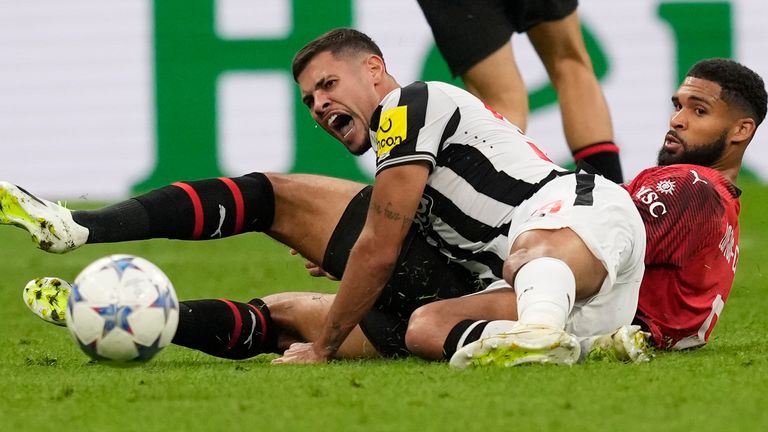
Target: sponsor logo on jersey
(650,198)
(697,179)
(665,187)
(392,131)
(550,208)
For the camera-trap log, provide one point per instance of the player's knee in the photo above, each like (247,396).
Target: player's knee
(520,257)
(418,336)
(535,244)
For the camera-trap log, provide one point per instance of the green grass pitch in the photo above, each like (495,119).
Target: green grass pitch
(46,383)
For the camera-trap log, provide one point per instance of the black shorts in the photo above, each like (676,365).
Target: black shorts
(422,275)
(467,31)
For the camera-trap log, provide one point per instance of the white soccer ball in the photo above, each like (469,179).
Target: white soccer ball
(122,308)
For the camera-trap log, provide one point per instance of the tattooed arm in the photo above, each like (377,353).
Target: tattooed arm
(395,199)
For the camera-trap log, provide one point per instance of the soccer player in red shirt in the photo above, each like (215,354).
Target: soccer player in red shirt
(689,205)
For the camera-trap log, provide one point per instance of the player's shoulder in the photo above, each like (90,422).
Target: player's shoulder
(676,177)
(680,171)
(418,94)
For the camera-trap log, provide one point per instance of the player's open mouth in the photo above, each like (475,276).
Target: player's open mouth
(341,123)
(672,142)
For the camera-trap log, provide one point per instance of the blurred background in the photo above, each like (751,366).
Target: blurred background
(100,99)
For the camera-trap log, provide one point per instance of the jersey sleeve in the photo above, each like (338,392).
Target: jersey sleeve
(681,210)
(410,125)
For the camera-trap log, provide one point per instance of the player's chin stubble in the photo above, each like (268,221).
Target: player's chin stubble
(703,155)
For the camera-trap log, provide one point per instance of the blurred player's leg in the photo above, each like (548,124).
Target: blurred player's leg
(496,80)
(50,224)
(586,119)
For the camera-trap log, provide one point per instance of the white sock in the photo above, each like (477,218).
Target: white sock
(545,289)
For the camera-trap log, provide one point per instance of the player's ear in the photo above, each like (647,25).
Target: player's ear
(376,67)
(743,130)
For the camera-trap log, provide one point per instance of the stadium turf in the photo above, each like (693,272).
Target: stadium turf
(46,383)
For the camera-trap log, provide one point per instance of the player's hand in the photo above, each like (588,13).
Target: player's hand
(299,353)
(315,270)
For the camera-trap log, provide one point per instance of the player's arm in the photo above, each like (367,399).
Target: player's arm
(394,201)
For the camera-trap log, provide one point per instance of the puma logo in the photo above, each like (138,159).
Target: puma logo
(222,216)
(697,179)
(249,341)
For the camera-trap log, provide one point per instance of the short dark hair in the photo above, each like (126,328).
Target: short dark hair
(740,85)
(338,41)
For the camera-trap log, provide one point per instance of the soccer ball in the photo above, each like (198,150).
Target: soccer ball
(122,308)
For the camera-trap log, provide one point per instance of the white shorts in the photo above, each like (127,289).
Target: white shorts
(613,231)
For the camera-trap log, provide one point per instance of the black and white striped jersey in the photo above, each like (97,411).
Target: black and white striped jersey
(482,169)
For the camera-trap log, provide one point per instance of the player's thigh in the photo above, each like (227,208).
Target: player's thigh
(491,305)
(560,45)
(441,316)
(430,325)
(497,81)
(585,220)
(307,210)
(467,31)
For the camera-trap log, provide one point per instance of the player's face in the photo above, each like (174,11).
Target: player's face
(341,97)
(698,127)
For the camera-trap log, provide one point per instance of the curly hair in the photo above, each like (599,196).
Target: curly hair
(741,87)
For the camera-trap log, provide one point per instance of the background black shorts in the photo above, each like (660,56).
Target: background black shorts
(467,31)
(422,275)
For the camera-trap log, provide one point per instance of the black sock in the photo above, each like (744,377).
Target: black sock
(225,328)
(473,330)
(604,158)
(123,221)
(195,210)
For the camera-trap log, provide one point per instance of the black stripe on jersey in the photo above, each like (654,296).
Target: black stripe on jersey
(585,184)
(464,225)
(415,96)
(474,167)
(450,129)
(486,258)
(375,119)
(468,228)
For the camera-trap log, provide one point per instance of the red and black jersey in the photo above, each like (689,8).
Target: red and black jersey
(691,215)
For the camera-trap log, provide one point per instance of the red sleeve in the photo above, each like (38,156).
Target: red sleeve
(681,211)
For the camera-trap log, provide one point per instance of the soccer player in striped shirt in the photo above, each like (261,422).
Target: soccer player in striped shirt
(469,180)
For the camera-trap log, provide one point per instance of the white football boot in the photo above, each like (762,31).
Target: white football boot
(523,344)
(47,298)
(51,225)
(627,344)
